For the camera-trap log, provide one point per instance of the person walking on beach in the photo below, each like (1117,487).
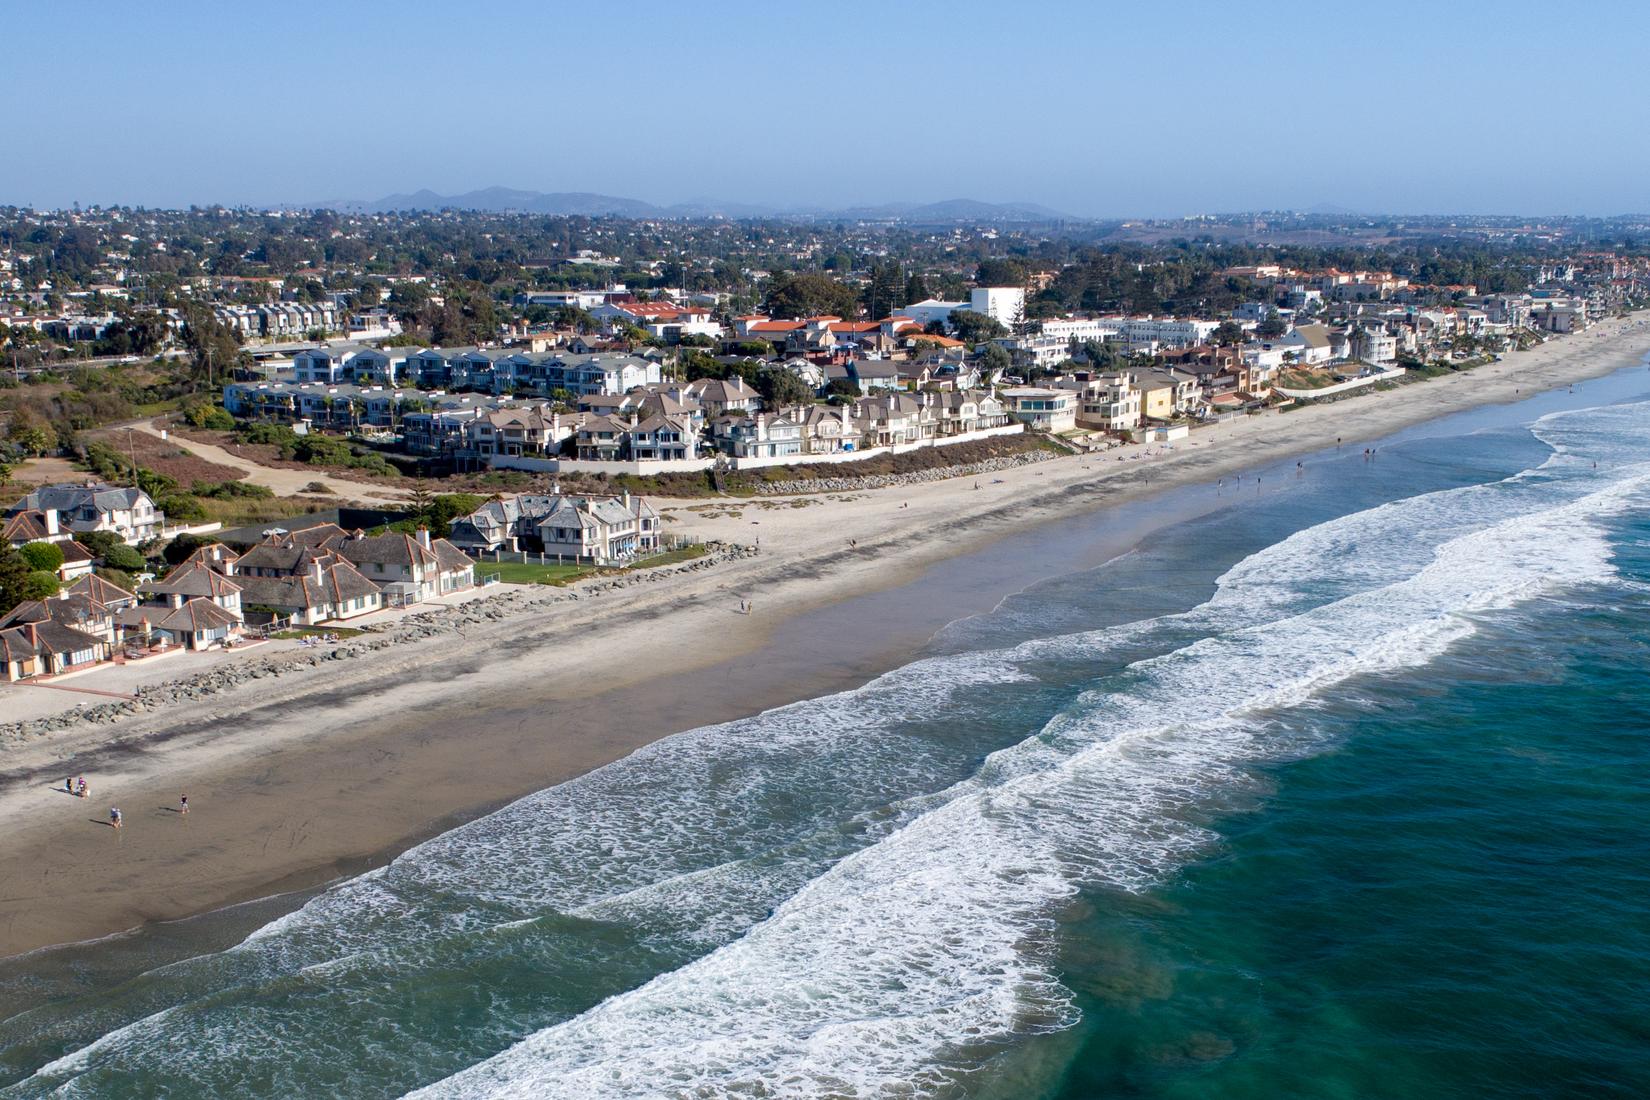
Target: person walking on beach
(80,787)
(68,784)
(114,816)
(183,803)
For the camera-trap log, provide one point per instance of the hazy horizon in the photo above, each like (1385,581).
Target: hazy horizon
(1177,111)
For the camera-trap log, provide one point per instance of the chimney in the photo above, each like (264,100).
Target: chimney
(51,521)
(424,537)
(315,569)
(761,427)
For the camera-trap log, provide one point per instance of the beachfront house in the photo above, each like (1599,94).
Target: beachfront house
(66,609)
(195,580)
(407,568)
(48,648)
(1046,410)
(328,589)
(192,624)
(602,529)
(95,506)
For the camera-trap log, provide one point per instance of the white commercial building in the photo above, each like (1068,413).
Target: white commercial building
(1004,304)
(1144,332)
(1081,329)
(929,310)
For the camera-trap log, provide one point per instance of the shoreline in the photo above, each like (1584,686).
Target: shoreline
(292,788)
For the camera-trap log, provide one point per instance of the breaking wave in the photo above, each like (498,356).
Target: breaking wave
(857,894)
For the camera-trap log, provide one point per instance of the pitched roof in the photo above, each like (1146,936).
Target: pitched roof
(99,496)
(339,581)
(192,616)
(68,610)
(103,591)
(48,637)
(74,553)
(212,555)
(450,557)
(194,579)
(28,525)
(279,554)
(398,548)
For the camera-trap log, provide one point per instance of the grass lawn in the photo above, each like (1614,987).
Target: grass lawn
(516,572)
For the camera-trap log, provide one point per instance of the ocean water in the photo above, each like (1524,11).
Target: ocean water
(1339,788)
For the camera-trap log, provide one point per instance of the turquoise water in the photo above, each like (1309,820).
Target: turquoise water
(1339,789)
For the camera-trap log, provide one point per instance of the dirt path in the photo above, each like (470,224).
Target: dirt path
(282,481)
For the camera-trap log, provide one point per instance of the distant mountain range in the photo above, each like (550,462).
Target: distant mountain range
(588,204)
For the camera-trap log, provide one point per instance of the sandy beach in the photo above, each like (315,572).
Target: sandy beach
(292,782)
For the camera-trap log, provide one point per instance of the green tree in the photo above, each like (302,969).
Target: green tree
(1103,355)
(214,350)
(809,295)
(117,577)
(42,556)
(575,318)
(125,558)
(886,290)
(99,542)
(1271,326)
(182,507)
(974,328)
(211,417)
(996,358)
(32,436)
(446,507)
(696,364)
(40,584)
(176,551)
(840,390)
(1227,334)
(779,386)
(408,300)
(1001,272)
(14,578)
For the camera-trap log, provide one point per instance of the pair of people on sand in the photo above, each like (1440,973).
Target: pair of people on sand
(117,820)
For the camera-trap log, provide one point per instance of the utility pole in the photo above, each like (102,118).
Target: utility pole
(131,452)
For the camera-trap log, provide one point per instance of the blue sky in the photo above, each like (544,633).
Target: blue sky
(1139,109)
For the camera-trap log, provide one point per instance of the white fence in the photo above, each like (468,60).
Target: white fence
(1342,387)
(646,467)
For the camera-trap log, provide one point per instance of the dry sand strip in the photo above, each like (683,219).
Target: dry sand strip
(294,781)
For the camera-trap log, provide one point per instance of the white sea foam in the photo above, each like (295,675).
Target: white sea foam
(919,953)
(888,965)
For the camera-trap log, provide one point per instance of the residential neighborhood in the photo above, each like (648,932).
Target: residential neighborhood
(817,349)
